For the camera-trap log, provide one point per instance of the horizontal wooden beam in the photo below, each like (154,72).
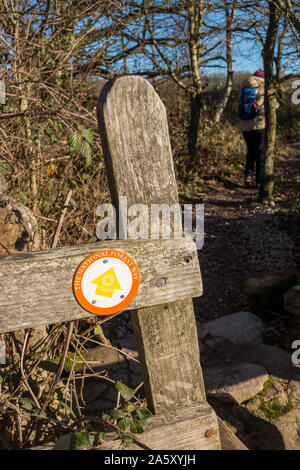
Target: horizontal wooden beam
(192,427)
(36,288)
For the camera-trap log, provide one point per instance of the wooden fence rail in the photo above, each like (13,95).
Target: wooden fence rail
(36,288)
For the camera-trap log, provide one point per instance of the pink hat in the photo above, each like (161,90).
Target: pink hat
(259,73)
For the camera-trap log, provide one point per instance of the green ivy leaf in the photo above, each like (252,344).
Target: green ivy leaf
(50,365)
(40,413)
(136,427)
(130,407)
(127,438)
(99,437)
(117,414)
(69,409)
(74,141)
(80,441)
(71,358)
(106,417)
(145,412)
(73,441)
(125,423)
(88,135)
(126,392)
(27,403)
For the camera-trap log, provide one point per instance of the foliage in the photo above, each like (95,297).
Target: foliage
(38,404)
(121,424)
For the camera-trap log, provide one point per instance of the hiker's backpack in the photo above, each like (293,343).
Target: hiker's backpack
(248,108)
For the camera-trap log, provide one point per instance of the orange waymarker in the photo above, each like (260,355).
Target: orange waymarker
(106,282)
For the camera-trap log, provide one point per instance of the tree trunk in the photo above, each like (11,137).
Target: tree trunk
(195,106)
(195,12)
(267,167)
(219,109)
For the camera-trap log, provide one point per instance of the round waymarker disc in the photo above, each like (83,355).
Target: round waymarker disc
(106,282)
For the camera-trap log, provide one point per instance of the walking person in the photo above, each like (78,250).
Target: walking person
(252,124)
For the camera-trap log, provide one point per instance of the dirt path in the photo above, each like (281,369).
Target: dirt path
(242,238)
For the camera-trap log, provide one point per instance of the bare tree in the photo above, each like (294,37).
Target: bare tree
(230,9)
(290,10)
(267,182)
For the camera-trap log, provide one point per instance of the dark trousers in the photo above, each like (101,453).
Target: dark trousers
(255,142)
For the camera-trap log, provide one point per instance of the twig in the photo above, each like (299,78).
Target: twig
(28,113)
(61,364)
(278,314)
(23,374)
(61,219)
(43,239)
(110,347)
(22,413)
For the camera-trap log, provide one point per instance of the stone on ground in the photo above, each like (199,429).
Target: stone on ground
(19,228)
(266,290)
(292,300)
(240,328)
(235,381)
(289,428)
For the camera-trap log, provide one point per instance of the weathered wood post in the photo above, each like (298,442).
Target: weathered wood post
(134,133)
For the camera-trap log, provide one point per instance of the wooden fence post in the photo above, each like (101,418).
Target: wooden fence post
(134,133)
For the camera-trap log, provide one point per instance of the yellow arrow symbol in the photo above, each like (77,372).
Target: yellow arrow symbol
(106,283)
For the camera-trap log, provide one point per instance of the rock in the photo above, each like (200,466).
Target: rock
(235,381)
(289,428)
(276,391)
(255,432)
(19,228)
(240,328)
(292,300)
(276,361)
(294,392)
(266,291)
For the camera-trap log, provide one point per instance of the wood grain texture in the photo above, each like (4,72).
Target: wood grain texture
(168,348)
(135,136)
(36,288)
(183,428)
(229,441)
(134,133)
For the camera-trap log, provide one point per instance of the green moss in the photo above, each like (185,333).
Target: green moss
(266,387)
(260,395)
(272,409)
